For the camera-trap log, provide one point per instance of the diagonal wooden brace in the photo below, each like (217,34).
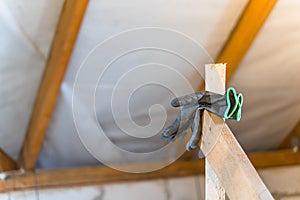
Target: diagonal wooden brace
(227,166)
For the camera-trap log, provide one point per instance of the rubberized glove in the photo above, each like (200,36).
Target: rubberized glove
(227,106)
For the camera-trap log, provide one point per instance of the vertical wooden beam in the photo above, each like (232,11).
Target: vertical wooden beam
(213,187)
(214,82)
(6,163)
(224,154)
(56,65)
(245,31)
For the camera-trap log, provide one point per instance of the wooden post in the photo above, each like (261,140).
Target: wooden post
(225,158)
(213,187)
(214,82)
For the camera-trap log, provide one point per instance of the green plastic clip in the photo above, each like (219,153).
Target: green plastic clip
(237,107)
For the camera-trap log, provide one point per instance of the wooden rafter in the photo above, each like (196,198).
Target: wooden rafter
(239,41)
(245,31)
(6,163)
(56,65)
(104,175)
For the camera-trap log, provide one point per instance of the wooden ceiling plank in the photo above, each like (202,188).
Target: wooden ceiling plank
(6,162)
(56,65)
(99,175)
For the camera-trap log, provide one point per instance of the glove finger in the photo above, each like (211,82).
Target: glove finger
(172,129)
(182,123)
(182,131)
(187,99)
(196,131)
(171,138)
(181,134)
(187,114)
(186,121)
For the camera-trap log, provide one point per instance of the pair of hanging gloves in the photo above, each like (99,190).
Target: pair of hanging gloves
(226,106)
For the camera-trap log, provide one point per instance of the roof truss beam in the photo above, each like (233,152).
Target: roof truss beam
(245,31)
(99,175)
(56,65)
(6,162)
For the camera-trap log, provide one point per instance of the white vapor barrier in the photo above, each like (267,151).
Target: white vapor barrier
(133,57)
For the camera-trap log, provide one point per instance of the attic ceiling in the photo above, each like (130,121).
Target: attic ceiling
(267,76)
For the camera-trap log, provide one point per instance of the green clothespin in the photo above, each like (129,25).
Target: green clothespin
(234,105)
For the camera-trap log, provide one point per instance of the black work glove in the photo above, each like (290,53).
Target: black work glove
(227,106)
